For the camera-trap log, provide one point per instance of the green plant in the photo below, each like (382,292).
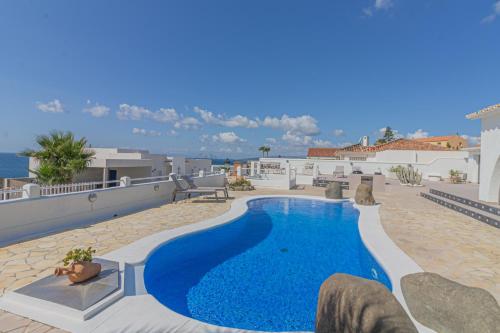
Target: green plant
(388,136)
(60,158)
(240,182)
(78,255)
(454,173)
(265,149)
(395,169)
(408,175)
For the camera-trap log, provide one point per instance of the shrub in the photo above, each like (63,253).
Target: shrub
(78,255)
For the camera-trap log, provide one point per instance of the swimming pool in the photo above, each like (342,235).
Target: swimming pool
(263,270)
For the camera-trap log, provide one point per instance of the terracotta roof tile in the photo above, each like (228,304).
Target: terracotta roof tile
(399,144)
(437,138)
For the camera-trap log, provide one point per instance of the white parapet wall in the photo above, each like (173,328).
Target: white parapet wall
(32,217)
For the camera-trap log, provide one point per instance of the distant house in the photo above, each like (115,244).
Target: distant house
(489,166)
(110,164)
(450,141)
(400,150)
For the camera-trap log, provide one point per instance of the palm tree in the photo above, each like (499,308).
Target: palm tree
(262,149)
(60,157)
(265,150)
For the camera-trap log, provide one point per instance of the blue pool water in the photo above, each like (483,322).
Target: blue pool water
(264,270)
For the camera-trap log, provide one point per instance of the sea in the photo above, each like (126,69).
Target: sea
(13,165)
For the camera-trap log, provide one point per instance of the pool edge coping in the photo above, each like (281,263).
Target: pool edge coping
(388,255)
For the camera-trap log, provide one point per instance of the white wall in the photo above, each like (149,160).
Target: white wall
(436,163)
(490,158)
(24,218)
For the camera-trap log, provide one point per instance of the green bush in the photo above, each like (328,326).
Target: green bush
(78,255)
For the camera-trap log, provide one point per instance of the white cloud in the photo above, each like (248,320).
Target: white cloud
(271,140)
(236,121)
(338,132)
(227,137)
(394,131)
(204,137)
(54,106)
(296,140)
(322,143)
(492,17)
(302,125)
(188,123)
(142,131)
(97,111)
(172,132)
(378,5)
(473,140)
(132,112)
(383,4)
(418,134)
(239,150)
(203,148)
(165,115)
(225,150)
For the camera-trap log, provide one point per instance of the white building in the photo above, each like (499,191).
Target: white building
(489,179)
(110,164)
(433,161)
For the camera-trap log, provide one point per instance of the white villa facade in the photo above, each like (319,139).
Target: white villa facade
(433,161)
(489,187)
(110,164)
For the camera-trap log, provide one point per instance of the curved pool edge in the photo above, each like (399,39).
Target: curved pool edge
(390,257)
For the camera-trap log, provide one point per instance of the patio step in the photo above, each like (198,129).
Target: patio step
(464,209)
(478,205)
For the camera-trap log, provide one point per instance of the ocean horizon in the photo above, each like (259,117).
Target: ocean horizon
(14,166)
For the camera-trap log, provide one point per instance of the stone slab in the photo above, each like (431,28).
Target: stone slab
(80,296)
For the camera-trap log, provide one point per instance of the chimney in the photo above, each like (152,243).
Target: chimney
(365,141)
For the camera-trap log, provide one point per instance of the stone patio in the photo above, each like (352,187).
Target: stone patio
(438,239)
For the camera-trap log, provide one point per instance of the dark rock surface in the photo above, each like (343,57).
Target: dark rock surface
(447,306)
(350,304)
(334,191)
(364,195)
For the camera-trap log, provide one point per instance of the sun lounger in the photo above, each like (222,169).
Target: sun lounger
(193,186)
(181,186)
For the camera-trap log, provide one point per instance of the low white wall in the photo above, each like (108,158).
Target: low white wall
(440,166)
(28,218)
(274,181)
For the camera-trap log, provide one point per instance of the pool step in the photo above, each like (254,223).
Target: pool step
(464,209)
(478,205)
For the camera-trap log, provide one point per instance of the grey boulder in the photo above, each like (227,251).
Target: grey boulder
(351,304)
(447,306)
(334,191)
(364,195)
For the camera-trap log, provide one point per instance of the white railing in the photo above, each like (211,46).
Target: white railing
(11,193)
(69,188)
(49,190)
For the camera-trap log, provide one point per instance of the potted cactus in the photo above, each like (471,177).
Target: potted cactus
(79,266)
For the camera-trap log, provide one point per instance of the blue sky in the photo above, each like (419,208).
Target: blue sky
(220,78)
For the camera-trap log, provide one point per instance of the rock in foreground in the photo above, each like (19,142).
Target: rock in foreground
(350,304)
(364,195)
(334,191)
(447,306)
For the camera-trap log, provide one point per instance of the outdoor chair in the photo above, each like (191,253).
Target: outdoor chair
(181,186)
(193,186)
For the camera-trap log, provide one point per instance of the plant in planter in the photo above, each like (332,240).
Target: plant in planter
(455,176)
(241,184)
(79,265)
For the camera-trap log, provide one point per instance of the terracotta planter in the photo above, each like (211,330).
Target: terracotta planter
(79,271)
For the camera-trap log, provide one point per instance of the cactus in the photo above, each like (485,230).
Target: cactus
(408,175)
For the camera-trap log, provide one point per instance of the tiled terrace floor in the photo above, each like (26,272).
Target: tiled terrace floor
(439,240)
